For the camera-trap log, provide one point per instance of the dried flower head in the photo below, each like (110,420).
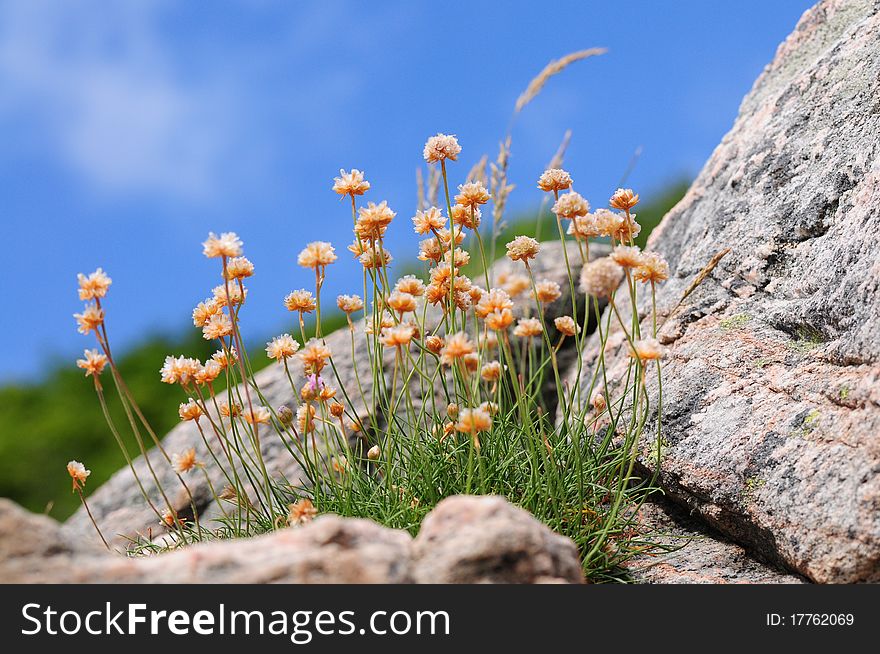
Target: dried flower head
(375,258)
(78,474)
(205,310)
(337,409)
(429,220)
(647,349)
(90,319)
(190,411)
(452,410)
(314,356)
(399,336)
(430,250)
(239,268)
(473,421)
(584,227)
(207,373)
(373,453)
(627,256)
(229,294)
(653,268)
(305,418)
(373,220)
(317,254)
(301,300)
(259,415)
(495,300)
(302,512)
(225,357)
(226,245)
(499,320)
(441,147)
(600,278)
(570,205)
(467,217)
(410,284)
(491,371)
(218,326)
(445,236)
(434,343)
(514,284)
(185,461)
(554,179)
(547,291)
(523,248)
(624,199)
(457,347)
(229,410)
(352,183)
(282,347)
(566,325)
(528,328)
(179,370)
(349,304)
(93,286)
(598,401)
(384,321)
(489,407)
(471,194)
(93,363)
(401,302)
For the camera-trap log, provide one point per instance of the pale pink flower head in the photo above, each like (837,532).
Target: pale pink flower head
(601,278)
(282,348)
(218,326)
(90,319)
(523,248)
(226,245)
(78,474)
(472,194)
(185,461)
(349,304)
(570,205)
(624,199)
(429,220)
(317,254)
(554,179)
(93,363)
(351,183)
(239,268)
(93,286)
(441,147)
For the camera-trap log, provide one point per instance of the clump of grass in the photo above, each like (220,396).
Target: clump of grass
(456,384)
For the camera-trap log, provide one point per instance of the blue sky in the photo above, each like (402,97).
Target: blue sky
(131,129)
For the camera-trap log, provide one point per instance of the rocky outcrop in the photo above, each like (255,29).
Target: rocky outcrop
(36,549)
(771,389)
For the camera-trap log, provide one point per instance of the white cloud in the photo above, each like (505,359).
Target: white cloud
(100,90)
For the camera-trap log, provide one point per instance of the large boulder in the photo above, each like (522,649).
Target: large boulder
(468,539)
(771,389)
(36,549)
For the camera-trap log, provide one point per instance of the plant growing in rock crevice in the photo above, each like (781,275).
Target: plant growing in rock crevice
(453,400)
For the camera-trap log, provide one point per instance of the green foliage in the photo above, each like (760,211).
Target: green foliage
(44,425)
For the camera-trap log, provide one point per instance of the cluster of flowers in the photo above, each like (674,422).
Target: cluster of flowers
(471,342)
